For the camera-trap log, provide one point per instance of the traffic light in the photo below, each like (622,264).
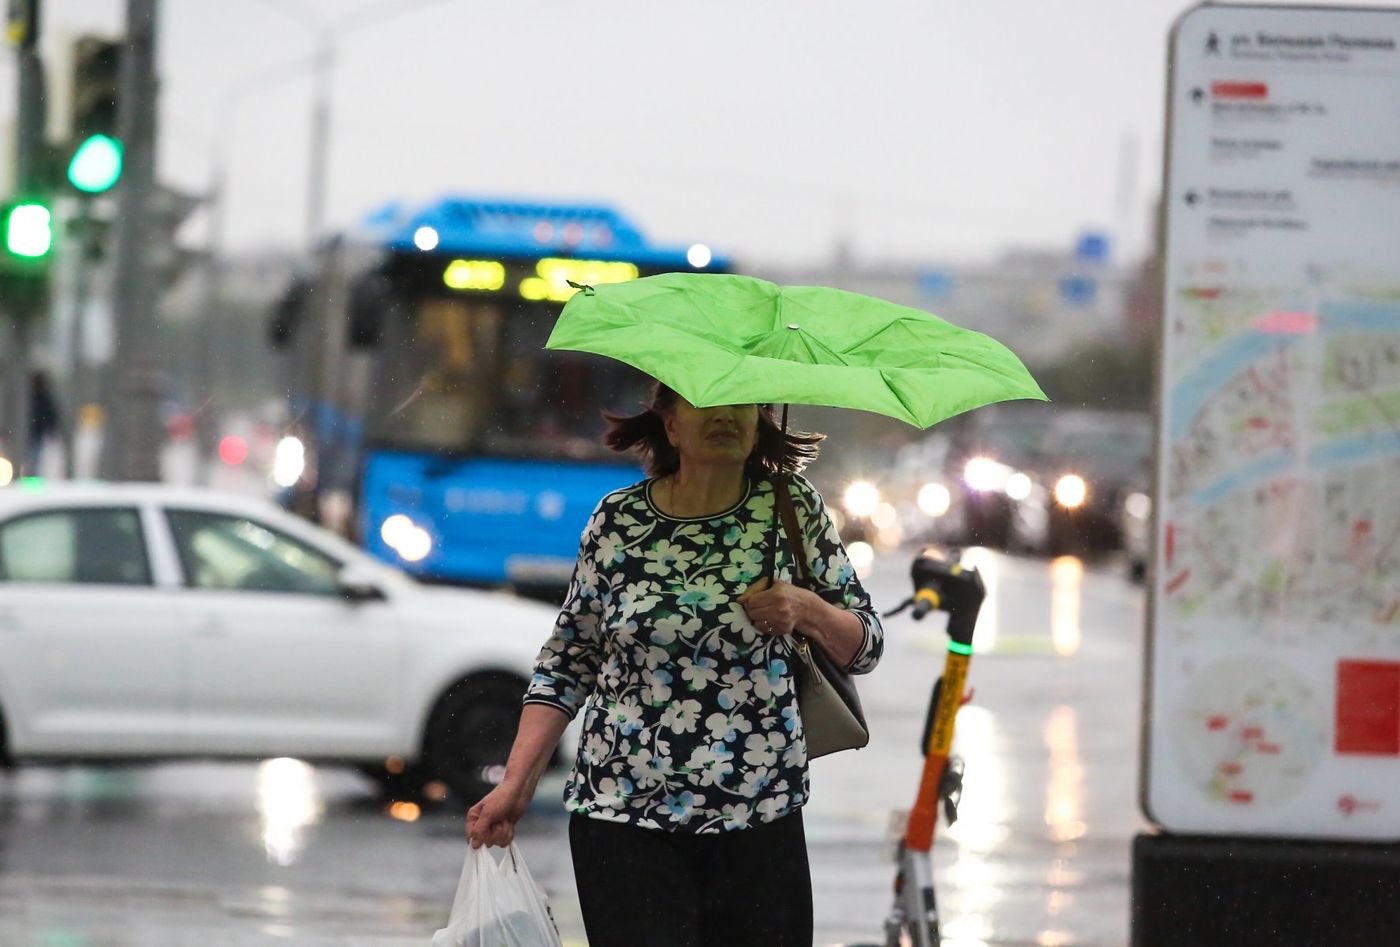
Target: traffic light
(96,77)
(26,234)
(96,164)
(26,247)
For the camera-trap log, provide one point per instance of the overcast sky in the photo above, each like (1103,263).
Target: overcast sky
(931,130)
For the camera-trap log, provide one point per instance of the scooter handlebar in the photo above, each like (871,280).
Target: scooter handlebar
(942,582)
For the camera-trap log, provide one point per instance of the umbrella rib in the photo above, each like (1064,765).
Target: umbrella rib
(911,415)
(916,319)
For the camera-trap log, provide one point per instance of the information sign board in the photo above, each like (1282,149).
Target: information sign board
(1273,672)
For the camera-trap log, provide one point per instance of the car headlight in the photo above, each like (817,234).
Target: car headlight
(1138,505)
(1071,491)
(861,498)
(984,474)
(1018,486)
(934,499)
(288,461)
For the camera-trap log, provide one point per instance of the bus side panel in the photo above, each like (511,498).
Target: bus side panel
(491,520)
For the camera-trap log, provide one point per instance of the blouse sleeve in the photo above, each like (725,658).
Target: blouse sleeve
(832,575)
(568,663)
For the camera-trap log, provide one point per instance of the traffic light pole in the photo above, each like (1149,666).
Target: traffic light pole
(133,440)
(22,312)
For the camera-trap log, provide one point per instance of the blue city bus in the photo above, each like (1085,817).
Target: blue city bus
(436,429)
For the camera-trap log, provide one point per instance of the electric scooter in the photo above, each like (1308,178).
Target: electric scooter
(941,583)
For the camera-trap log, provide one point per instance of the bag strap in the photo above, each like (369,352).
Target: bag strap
(787,513)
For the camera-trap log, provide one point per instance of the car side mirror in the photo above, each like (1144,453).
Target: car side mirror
(360,585)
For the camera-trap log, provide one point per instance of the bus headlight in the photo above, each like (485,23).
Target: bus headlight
(861,498)
(1071,491)
(411,541)
(1138,505)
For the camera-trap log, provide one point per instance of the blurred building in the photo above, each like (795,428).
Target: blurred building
(1043,304)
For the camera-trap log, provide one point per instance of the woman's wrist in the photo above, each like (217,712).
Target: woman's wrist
(811,622)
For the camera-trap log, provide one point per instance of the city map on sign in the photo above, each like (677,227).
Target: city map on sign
(1284,449)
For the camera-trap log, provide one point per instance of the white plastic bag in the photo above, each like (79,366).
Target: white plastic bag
(498,904)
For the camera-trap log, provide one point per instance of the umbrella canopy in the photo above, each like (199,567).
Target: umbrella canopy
(722,339)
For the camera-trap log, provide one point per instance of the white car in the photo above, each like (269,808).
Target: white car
(141,621)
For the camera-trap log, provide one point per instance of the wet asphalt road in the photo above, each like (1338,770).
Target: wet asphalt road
(284,853)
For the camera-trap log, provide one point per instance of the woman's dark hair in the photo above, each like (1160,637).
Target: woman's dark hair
(645,435)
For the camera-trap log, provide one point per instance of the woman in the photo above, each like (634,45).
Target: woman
(685,799)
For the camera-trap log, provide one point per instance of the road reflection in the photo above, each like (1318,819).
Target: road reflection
(289,802)
(1066,592)
(982,827)
(989,564)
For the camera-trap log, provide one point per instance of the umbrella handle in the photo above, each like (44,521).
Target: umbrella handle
(779,483)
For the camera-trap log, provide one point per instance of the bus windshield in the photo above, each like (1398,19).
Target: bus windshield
(458,375)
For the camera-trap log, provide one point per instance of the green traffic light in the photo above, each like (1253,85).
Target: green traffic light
(28,230)
(96,165)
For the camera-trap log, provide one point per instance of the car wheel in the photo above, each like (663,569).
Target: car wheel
(470,733)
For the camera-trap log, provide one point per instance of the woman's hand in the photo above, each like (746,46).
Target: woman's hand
(777,608)
(492,821)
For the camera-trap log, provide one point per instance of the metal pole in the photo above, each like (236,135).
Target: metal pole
(133,438)
(29,141)
(318,170)
(206,420)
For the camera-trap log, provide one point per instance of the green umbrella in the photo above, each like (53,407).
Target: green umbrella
(721,339)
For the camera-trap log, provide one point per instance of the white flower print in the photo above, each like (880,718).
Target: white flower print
(736,815)
(761,749)
(727,726)
(737,688)
(702,593)
(671,628)
(663,557)
(625,632)
(625,715)
(712,763)
(595,748)
(745,565)
(682,716)
(771,680)
(773,807)
(613,793)
(699,673)
(648,770)
(755,781)
(637,598)
(610,550)
(682,807)
(656,687)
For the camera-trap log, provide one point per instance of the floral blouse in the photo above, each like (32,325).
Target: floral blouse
(691,721)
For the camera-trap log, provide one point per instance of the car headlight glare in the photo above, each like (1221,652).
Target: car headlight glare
(1018,486)
(983,474)
(861,498)
(1071,491)
(288,461)
(1138,505)
(934,499)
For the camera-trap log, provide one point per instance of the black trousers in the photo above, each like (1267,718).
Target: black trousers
(649,888)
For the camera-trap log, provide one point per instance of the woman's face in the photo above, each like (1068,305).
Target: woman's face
(713,436)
